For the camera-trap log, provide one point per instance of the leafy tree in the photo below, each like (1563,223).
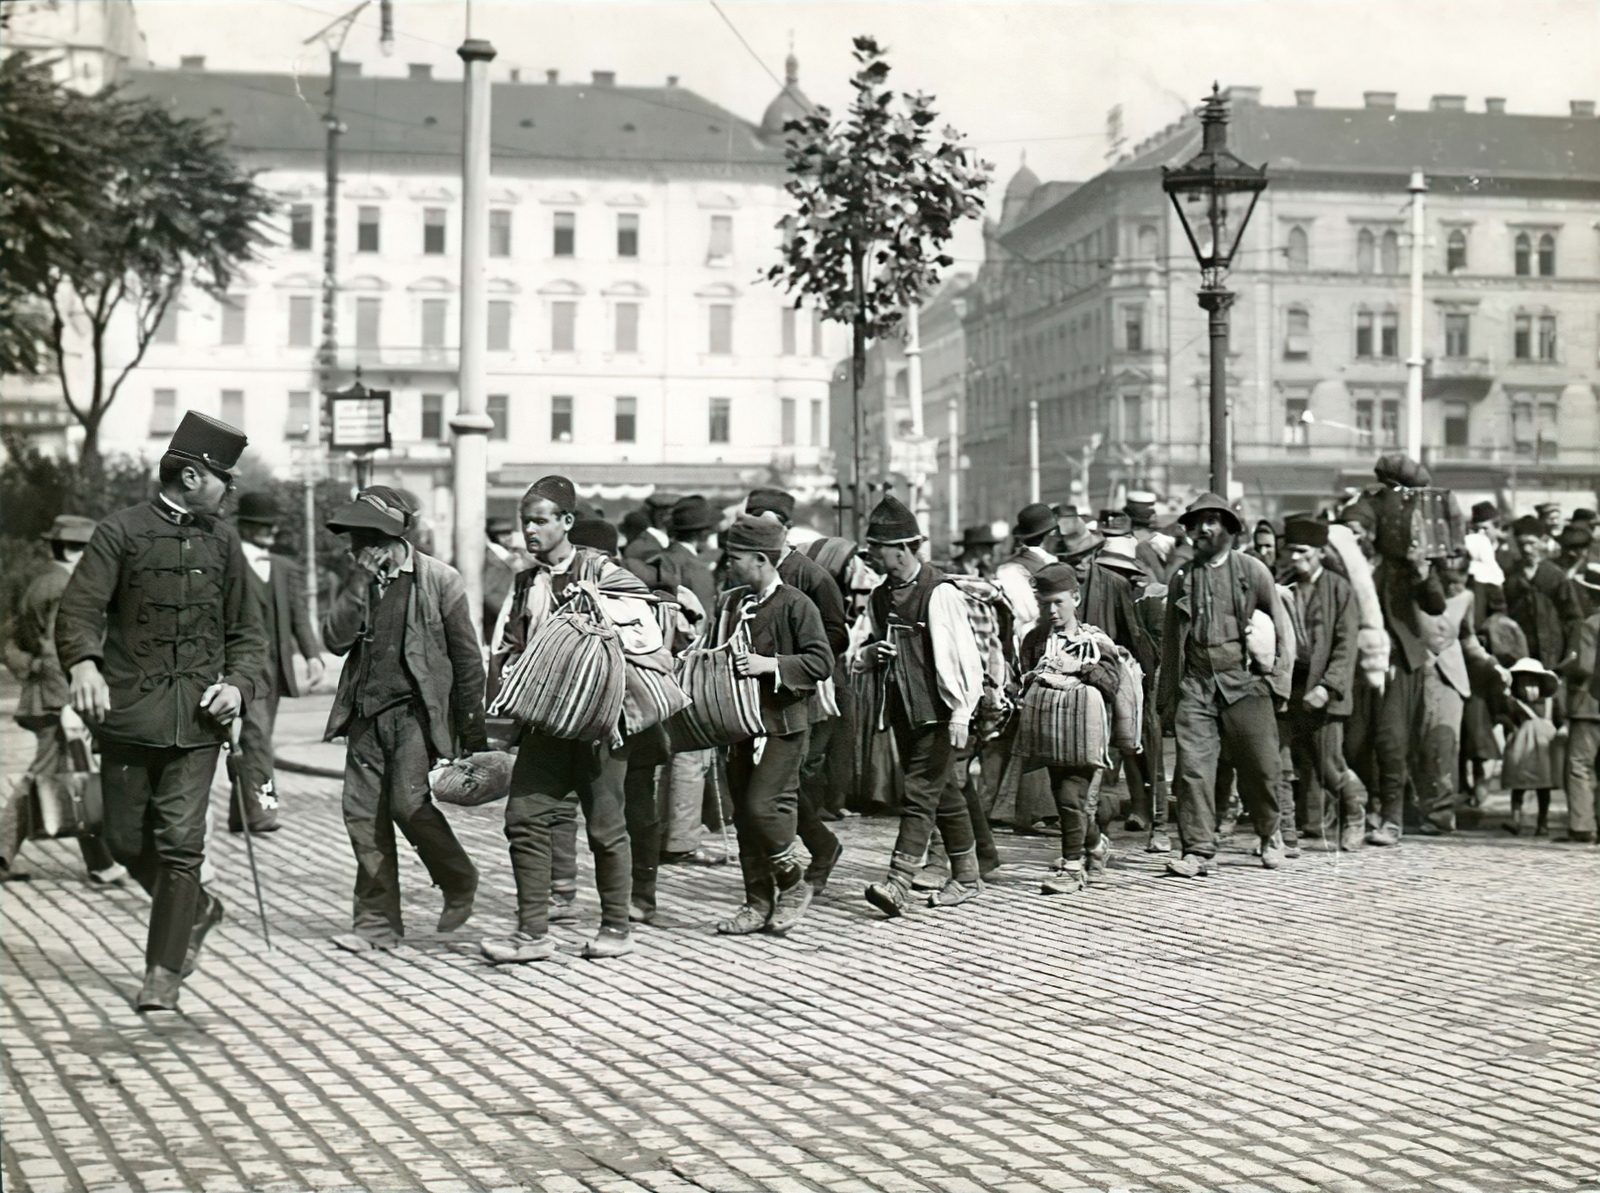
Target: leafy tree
(879,195)
(111,206)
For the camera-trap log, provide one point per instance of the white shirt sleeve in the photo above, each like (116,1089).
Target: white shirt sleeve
(956,662)
(1017,583)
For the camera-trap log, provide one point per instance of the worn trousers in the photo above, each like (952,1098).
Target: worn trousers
(552,779)
(1145,773)
(933,793)
(815,786)
(1583,759)
(155,825)
(1438,762)
(1330,795)
(16,820)
(386,784)
(686,801)
(256,762)
(1204,726)
(1398,741)
(766,799)
(1070,785)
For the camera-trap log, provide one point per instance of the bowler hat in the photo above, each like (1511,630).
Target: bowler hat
(1576,538)
(377,507)
(1114,522)
(1527,524)
(259,507)
(974,537)
(1034,521)
(1211,503)
(1588,576)
(892,523)
(775,500)
(1078,542)
(1484,512)
(1055,578)
(750,533)
(693,514)
(70,528)
(1585,516)
(1305,532)
(594,532)
(209,442)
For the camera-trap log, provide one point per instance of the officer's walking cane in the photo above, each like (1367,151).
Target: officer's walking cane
(237,781)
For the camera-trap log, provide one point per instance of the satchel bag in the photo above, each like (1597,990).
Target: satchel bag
(724,708)
(1064,726)
(571,680)
(68,803)
(1127,709)
(651,693)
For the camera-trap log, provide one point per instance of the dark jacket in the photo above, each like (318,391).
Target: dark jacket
(30,649)
(811,578)
(785,626)
(695,574)
(288,621)
(1402,596)
(1108,604)
(162,603)
(441,655)
(1329,629)
(1546,608)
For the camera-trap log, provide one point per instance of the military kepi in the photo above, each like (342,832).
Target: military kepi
(209,442)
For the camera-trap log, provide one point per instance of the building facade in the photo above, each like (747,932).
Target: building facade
(1086,306)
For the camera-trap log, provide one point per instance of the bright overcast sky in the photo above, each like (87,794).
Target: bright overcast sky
(1036,77)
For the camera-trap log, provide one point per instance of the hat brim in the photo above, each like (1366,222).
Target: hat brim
(1081,548)
(893,542)
(1189,517)
(72,538)
(358,515)
(1593,586)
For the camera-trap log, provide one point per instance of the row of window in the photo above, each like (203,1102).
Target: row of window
(1533,337)
(434,424)
(1379,252)
(1535,424)
(563,233)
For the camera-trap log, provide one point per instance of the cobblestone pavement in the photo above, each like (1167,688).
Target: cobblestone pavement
(1420,1018)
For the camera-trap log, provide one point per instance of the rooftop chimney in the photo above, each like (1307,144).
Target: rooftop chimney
(1380,99)
(1495,105)
(348,68)
(1244,95)
(552,76)
(605,78)
(419,70)
(192,62)
(672,80)
(1305,99)
(1583,107)
(1448,103)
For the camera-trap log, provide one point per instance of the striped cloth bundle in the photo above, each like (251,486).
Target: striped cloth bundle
(724,708)
(570,681)
(1064,726)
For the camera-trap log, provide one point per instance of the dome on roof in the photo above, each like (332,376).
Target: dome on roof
(1023,183)
(790,104)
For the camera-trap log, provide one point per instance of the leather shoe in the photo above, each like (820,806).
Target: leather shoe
(752,917)
(1065,878)
(1387,833)
(1580,837)
(1159,842)
(354,942)
(457,911)
(640,913)
(563,909)
(160,989)
(955,892)
(1190,865)
(891,895)
(1272,851)
(819,871)
(517,949)
(204,922)
(609,942)
(790,906)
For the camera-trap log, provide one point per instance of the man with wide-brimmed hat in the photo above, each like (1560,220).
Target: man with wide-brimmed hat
(277,583)
(411,693)
(921,639)
(975,552)
(1583,715)
(1222,668)
(164,648)
(1035,524)
(692,522)
(30,653)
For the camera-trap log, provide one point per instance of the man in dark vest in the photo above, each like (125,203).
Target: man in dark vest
(164,648)
(411,692)
(1217,690)
(922,639)
(277,583)
(812,581)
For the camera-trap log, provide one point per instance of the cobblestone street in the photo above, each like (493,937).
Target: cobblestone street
(1420,1018)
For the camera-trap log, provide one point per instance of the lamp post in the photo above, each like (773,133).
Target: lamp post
(1214,194)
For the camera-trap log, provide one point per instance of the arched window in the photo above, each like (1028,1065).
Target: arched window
(1524,252)
(1547,256)
(1364,251)
(1299,249)
(1389,252)
(1455,252)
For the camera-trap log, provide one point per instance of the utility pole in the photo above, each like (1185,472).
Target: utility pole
(919,481)
(1033,450)
(1415,361)
(471,423)
(955,468)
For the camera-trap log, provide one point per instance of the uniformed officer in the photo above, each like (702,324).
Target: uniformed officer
(164,647)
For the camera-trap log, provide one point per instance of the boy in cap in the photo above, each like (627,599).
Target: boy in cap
(411,693)
(788,652)
(277,582)
(921,637)
(165,648)
(1216,691)
(30,653)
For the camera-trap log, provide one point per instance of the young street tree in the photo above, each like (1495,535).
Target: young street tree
(878,199)
(136,204)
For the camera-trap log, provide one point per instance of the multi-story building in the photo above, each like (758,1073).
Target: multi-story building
(1086,305)
(632,341)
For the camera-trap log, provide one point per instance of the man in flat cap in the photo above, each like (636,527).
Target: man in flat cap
(786,649)
(1035,524)
(1333,800)
(165,648)
(30,653)
(921,638)
(1218,684)
(411,693)
(277,583)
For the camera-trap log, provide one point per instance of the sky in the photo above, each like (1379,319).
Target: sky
(1036,79)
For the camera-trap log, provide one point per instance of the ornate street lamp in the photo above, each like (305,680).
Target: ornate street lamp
(1214,193)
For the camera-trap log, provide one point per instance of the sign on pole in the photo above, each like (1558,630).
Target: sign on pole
(360,419)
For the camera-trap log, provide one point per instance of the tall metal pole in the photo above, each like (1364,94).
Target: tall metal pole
(471,422)
(1033,450)
(328,353)
(1415,360)
(1216,301)
(919,481)
(955,468)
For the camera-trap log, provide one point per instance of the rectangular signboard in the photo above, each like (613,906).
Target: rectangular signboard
(360,422)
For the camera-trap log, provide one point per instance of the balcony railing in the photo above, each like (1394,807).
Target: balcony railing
(392,358)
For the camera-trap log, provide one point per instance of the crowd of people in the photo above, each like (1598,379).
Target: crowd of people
(1339,681)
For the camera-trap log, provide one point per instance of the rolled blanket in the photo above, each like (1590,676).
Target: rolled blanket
(479,778)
